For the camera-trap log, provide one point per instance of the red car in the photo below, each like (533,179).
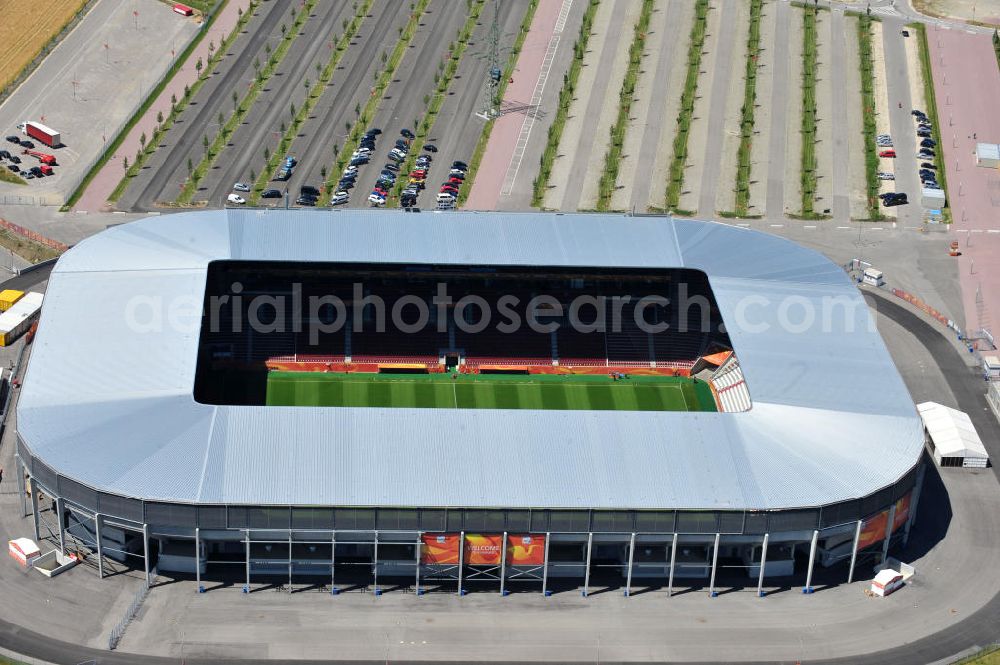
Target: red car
(887,153)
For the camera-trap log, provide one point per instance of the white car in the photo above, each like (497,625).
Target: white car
(339,198)
(459,172)
(236,198)
(886,176)
(350,169)
(376,200)
(241,187)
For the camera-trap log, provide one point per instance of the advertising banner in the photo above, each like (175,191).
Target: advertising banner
(902,512)
(439,548)
(483,550)
(525,550)
(873,530)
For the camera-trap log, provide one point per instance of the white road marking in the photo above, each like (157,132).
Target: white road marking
(809,226)
(776,226)
(843,227)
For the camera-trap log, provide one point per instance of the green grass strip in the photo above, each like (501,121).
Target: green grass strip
(484,138)
(808,177)
(868,115)
(312,96)
(932,111)
(675,179)
(570,79)
(381,83)
(11,177)
(743,167)
(240,109)
(612,159)
(153,95)
(444,82)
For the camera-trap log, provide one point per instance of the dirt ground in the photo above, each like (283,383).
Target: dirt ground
(26,27)
(979,11)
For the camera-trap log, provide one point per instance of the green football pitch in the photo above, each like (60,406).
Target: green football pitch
(489,391)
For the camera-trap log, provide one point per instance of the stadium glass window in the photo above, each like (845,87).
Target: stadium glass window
(518,520)
(567,553)
(212,517)
(697,522)
(454,520)
(609,521)
(312,518)
(756,522)
(494,520)
(539,521)
(731,522)
(654,522)
(432,520)
(793,520)
(475,520)
(268,518)
(397,552)
(569,521)
(354,518)
(237,517)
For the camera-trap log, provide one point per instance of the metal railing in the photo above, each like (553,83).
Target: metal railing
(118,632)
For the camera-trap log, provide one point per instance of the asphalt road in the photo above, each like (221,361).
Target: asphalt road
(262,125)
(403,100)
(978,628)
(457,128)
(901,122)
(775,200)
(717,113)
(168,165)
(841,205)
(350,87)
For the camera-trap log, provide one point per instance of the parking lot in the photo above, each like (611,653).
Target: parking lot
(89,86)
(324,132)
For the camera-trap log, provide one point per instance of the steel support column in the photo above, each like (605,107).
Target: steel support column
(197,559)
(98,522)
(333,564)
(715,562)
(34,508)
(246,587)
(545,566)
(586,570)
(378,592)
(631,560)
(461,561)
(763,562)
(673,565)
(145,550)
(854,551)
(62,531)
(812,560)
(888,532)
(503,565)
(419,547)
(914,500)
(289,562)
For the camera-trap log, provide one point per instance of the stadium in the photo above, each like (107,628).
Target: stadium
(464,401)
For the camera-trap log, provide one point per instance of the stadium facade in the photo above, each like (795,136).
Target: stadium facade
(812,461)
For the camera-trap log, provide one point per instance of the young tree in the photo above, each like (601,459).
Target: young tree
(253,177)
(236,100)
(197,66)
(344,23)
(284,29)
(385,57)
(187,91)
(291,109)
(322,172)
(142,141)
(204,142)
(159,117)
(222,119)
(427,99)
(282,127)
(267,49)
(357,110)
(125,163)
(267,154)
(190,166)
(305,84)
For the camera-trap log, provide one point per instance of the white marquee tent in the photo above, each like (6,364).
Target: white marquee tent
(954,440)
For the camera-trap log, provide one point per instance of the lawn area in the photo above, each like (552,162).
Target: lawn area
(489,391)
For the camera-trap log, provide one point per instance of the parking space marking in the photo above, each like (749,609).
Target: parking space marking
(809,226)
(843,227)
(776,226)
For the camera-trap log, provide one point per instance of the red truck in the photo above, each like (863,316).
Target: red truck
(46,135)
(49,160)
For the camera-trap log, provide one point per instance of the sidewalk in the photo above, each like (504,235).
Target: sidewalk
(967,88)
(95,198)
(485,192)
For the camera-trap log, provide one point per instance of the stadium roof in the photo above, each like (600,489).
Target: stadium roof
(112,407)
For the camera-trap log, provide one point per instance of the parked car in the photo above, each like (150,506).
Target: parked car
(271,194)
(928,143)
(374,131)
(391,166)
(459,173)
(917,112)
(283,174)
(27,144)
(236,198)
(241,187)
(430,147)
(925,153)
(407,133)
(887,153)
(290,161)
(4,154)
(14,168)
(898,201)
(339,198)
(886,176)
(345,184)
(306,201)
(905,33)
(308,190)
(928,165)
(13,139)
(15,159)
